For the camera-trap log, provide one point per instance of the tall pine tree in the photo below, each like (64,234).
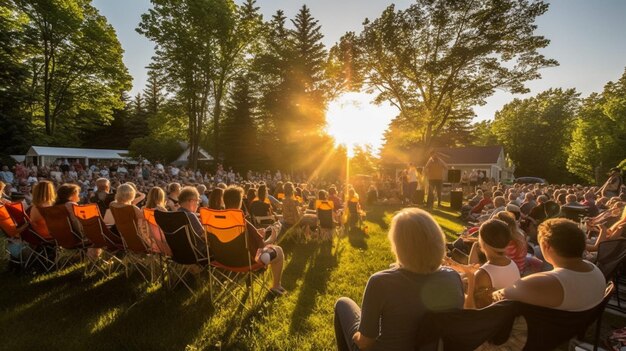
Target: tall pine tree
(240,130)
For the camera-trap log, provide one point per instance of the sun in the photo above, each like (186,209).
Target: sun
(353,119)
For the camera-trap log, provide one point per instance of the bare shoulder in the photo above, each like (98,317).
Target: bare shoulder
(537,289)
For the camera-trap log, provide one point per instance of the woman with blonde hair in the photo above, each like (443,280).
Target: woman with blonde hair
(156,199)
(124,196)
(43,196)
(396,299)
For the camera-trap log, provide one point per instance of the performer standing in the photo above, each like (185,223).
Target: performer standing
(434,169)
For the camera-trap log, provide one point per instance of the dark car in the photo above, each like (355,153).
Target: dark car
(530,180)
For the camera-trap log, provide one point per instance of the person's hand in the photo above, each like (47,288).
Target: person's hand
(459,267)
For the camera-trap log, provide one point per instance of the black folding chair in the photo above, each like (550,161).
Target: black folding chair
(611,257)
(549,328)
(187,250)
(465,330)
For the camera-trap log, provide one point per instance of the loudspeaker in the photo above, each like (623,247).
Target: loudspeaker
(454,176)
(456,200)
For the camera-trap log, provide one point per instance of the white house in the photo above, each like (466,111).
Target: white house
(184,157)
(490,160)
(45,155)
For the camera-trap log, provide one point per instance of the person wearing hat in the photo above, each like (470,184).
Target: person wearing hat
(612,185)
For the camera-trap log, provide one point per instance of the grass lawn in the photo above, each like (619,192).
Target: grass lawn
(68,311)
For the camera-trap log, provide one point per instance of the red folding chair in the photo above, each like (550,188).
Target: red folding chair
(68,242)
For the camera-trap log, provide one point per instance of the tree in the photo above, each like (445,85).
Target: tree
(483,135)
(240,130)
(536,132)
(364,161)
(437,58)
(153,93)
(76,64)
(599,137)
(291,71)
(14,124)
(201,45)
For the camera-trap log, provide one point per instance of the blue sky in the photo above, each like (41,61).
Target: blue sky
(588,38)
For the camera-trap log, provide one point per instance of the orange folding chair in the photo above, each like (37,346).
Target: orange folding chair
(39,246)
(13,233)
(229,251)
(96,231)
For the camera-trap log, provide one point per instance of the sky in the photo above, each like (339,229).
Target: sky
(588,38)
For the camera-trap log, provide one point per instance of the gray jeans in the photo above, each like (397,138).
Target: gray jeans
(347,319)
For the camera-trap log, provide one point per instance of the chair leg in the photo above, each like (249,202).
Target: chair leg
(596,340)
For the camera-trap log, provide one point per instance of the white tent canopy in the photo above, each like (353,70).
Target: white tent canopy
(46,154)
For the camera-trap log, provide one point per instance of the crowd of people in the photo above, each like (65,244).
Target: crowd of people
(273,202)
(534,243)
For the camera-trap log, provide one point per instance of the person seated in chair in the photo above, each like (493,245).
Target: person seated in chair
(188,201)
(232,200)
(498,272)
(573,285)
(103,195)
(261,207)
(396,299)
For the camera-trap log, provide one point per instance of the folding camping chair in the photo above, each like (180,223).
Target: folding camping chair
(40,247)
(227,238)
(68,242)
(326,219)
(186,248)
(13,233)
(158,238)
(96,231)
(548,328)
(139,254)
(611,257)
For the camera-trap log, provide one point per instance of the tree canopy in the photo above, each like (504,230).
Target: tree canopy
(437,59)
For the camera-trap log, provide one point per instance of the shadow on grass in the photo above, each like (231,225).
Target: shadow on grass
(315,283)
(70,312)
(356,238)
(378,214)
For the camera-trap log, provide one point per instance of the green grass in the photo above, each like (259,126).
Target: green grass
(68,311)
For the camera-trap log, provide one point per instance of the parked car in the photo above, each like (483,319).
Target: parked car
(530,180)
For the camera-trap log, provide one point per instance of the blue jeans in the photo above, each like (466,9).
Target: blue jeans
(347,320)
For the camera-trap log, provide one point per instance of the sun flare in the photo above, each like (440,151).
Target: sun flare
(353,119)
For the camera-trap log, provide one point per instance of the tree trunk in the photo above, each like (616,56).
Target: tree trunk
(217,113)
(47,89)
